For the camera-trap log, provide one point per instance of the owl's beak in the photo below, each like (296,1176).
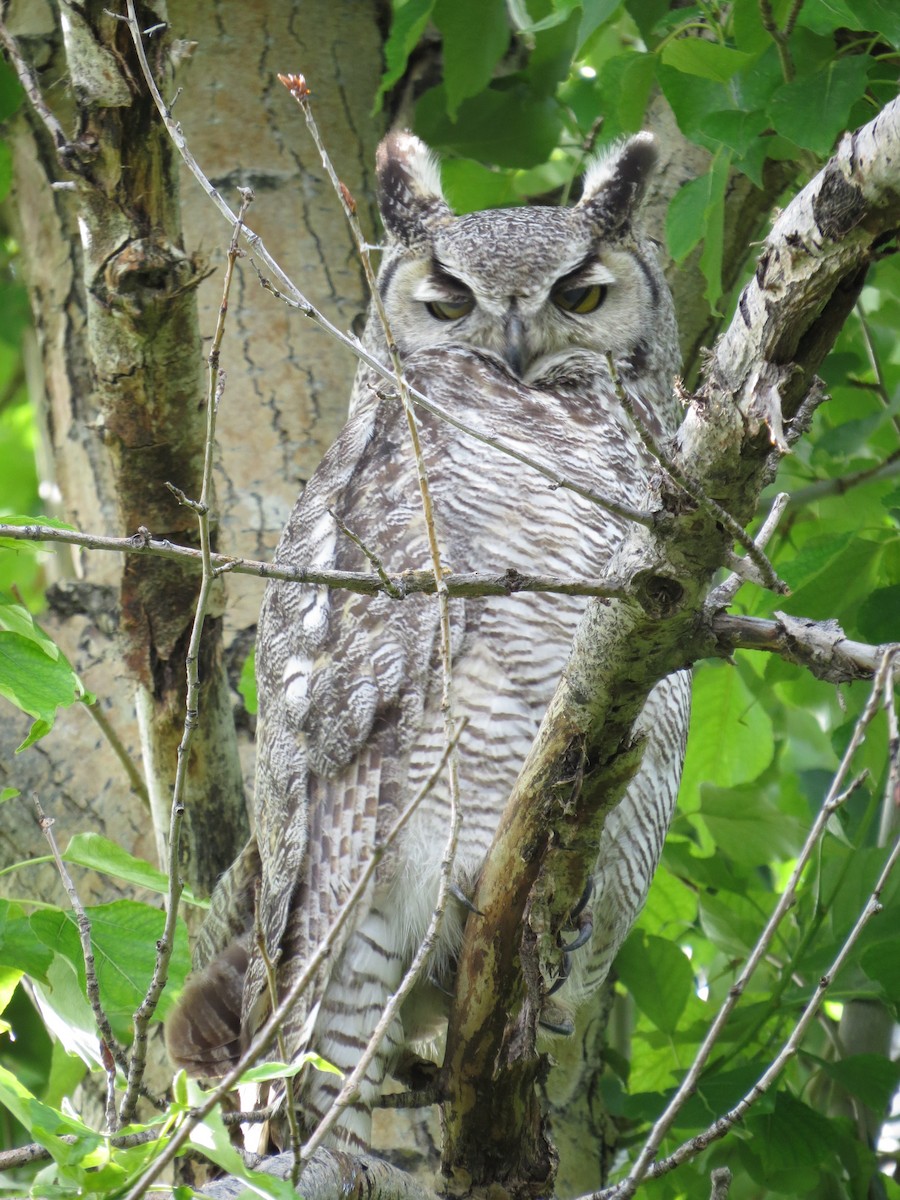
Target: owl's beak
(515,348)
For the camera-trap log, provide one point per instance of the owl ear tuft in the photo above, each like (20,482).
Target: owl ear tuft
(409,188)
(616,181)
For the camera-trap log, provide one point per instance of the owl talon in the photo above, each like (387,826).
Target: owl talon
(435,983)
(565,966)
(564,1028)
(458,894)
(583,936)
(583,899)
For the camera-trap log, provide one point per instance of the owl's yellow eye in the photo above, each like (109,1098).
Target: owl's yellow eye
(451,310)
(580,299)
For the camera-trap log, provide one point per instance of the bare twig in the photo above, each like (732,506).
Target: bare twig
(166,943)
(296,84)
(110,1050)
(818,646)
(21,1156)
(272,984)
(138,785)
(780,36)
(724,594)
(407,583)
(768,578)
(266,1035)
(882,391)
(377,564)
(727,1122)
(837,794)
(30,84)
(845,483)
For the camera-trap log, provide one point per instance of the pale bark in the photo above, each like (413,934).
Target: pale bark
(119,370)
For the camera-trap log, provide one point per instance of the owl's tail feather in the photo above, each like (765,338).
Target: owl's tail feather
(203,1032)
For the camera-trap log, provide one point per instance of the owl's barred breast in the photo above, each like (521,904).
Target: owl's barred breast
(493,513)
(505,320)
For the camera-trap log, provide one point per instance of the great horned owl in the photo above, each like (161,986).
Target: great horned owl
(504,317)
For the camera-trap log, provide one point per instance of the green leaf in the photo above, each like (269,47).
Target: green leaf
(816,555)
(560,12)
(731,739)
(881,962)
(409,20)
(5,170)
(11,93)
(8,793)
(624,87)
(509,128)
(697,211)
(824,16)
(748,827)
(476,36)
(732,923)
(34,673)
(18,946)
(278,1070)
(658,976)
(879,615)
(247,683)
(709,60)
(45,1124)
(214,1140)
(671,906)
(10,978)
(714,238)
(35,683)
(686,215)
(735,129)
(693,98)
(98,853)
(123,937)
(647,15)
(792,1136)
(814,110)
(593,14)
(869,1077)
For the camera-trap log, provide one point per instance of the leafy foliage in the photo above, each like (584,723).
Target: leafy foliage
(518,111)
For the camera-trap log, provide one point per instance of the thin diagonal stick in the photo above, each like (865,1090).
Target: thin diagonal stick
(110,1050)
(298,89)
(166,943)
(726,1123)
(832,801)
(265,1036)
(710,506)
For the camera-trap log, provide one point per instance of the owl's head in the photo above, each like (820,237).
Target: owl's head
(528,285)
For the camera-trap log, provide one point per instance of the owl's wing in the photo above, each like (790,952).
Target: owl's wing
(343,682)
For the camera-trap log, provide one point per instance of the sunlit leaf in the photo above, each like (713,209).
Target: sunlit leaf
(658,976)
(710,60)
(98,853)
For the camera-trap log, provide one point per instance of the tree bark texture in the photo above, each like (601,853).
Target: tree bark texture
(119,366)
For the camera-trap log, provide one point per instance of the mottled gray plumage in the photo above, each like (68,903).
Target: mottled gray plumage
(505,318)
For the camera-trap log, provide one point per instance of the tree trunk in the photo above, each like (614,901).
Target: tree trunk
(116,265)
